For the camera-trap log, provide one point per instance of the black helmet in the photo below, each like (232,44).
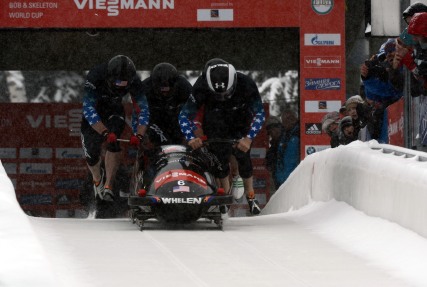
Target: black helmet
(221,78)
(163,77)
(121,72)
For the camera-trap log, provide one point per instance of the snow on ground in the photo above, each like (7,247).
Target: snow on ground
(322,244)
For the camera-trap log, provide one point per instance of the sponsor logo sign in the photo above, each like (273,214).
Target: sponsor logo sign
(35,168)
(322,39)
(68,183)
(322,106)
(310,149)
(322,84)
(70,121)
(191,200)
(67,153)
(322,7)
(7,153)
(70,168)
(322,62)
(259,167)
(44,153)
(259,183)
(258,152)
(215,15)
(396,127)
(63,199)
(34,184)
(114,8)
(10,168)
(150,13)
(395,115)
(179,175)
(35,199)
(313,129)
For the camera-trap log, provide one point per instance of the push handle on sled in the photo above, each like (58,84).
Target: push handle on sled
(219,140)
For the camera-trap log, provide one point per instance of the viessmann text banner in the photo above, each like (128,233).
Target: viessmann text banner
(147,13)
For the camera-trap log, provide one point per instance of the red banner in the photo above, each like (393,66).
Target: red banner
(395,123)
(147,13)
(42,154)
(322,67)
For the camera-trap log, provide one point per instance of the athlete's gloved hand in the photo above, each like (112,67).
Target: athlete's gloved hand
(195,143)
(135,140)
(109,137)
(244,144)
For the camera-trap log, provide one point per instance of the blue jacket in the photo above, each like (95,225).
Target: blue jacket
(380,91)
(288,156)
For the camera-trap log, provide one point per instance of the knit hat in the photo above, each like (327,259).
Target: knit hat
(387,47)
(418,24)
(353,100)
(346,122)
(417,7)
(328,119)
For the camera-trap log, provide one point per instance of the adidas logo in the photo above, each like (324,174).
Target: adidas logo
(63,199)
(313,129)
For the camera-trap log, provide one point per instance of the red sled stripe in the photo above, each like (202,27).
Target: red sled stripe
(179,174)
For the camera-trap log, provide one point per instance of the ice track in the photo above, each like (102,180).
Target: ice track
(274,250)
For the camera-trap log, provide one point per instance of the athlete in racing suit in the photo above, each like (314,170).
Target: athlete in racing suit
(232,110)
(166,92)
(104,118)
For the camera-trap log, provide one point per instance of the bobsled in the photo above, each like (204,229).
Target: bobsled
(181,191)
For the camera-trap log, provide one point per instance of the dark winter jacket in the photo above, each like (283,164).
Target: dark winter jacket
(335,141)
(343,139)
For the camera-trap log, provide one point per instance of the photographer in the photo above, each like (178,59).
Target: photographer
(383,84)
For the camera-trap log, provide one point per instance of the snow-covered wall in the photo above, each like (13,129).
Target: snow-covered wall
(381,180)
(26,252)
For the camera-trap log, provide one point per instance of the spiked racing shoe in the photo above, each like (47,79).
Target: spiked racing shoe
(237,188)
(100,186)
(254,208)
(108,194)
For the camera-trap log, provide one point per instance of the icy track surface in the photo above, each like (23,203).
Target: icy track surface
(322,244)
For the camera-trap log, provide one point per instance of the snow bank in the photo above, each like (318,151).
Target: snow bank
(26,253)
(381,180)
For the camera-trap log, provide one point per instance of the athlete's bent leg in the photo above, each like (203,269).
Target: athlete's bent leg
(112,161)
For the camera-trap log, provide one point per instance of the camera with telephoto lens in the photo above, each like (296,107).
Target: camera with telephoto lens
(420,59)
(377,69)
